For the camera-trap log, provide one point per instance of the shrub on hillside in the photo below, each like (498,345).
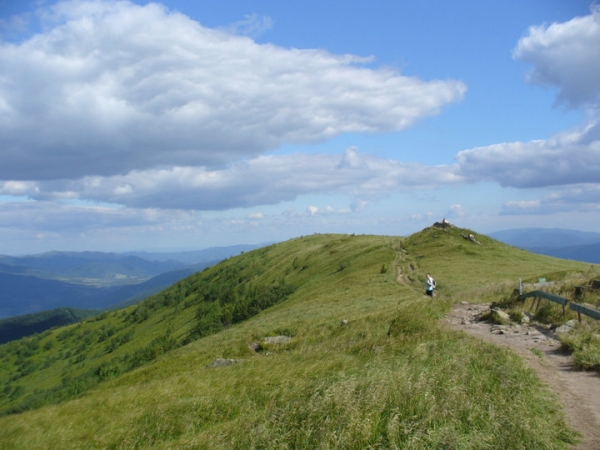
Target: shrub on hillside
(584,343)
(549,313)
(492,316)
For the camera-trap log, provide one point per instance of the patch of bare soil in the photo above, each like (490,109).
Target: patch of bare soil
(579,392)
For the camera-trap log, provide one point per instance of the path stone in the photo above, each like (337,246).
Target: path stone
(220,362)
(277,340)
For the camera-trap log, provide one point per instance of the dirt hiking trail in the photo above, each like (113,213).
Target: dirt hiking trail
(578,392)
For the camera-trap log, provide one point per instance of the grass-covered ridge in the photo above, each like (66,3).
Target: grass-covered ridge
(391,378)
(17,327)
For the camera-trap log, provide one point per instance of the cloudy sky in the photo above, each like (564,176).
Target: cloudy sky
(128,125)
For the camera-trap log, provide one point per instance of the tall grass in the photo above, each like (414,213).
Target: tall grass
(584,343)
(403,387)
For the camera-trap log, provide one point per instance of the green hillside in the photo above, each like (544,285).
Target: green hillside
(20,326)
(143,377)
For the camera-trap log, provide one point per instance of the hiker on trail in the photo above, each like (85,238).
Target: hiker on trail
(429,285)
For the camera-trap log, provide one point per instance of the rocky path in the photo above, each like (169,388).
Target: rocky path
(579,392)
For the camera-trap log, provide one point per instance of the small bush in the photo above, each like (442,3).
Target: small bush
(585,346)
(493,317)
(549,313)
(588,358)
(516,316)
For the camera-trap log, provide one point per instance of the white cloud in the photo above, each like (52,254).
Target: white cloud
(422,217)
(352,160)
(253,25)
(112,87)
(265,180)
(583,198)
(566,55)
(455,211)
(578,194)
(568,158)
(359,205)
(19,188)
(327,211)
(522,207)
(56,217)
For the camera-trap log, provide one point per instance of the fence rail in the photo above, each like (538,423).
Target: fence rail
(552,297)
(578,308)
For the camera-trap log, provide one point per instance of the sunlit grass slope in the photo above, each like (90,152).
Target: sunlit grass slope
(391,378)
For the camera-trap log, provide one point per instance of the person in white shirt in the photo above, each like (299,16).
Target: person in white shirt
(429,285)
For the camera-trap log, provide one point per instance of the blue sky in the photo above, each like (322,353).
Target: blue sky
(189,124)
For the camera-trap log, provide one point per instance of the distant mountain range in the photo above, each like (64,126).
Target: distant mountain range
(95,280)
(87,268)
(196,256)
(560,243)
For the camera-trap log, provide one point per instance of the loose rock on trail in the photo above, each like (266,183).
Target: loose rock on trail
(579,392)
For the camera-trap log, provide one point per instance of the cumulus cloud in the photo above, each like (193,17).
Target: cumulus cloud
(112,88)
(327,211)
(65,218)
(253,25)
(259,181)
(521,207)
(455,211)
(19,188)
(583,197)
(359,205)
(567,56)
(582,194)
(419,217)
(570,157)
(45,226)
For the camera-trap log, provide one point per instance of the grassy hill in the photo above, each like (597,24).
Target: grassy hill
(143,377)
(20,326)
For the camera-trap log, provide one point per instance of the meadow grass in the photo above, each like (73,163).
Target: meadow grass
(393,377)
